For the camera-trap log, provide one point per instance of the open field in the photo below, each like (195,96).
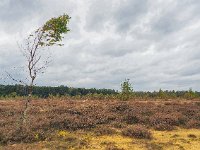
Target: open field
(98,124)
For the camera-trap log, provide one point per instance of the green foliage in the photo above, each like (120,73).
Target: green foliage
(162,94)
(51,32)
(190,94)
(47,91)
(94,94)
(13,94)
(127,90)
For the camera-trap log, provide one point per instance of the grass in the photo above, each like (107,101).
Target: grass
(82,140)
(178,139)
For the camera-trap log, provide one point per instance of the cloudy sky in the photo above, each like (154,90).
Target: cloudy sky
(154,43)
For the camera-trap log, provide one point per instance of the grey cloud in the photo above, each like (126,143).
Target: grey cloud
(12,10)
(154,43)
(174,17)
(98,14)
(128,13)
(14,13)
(120,14)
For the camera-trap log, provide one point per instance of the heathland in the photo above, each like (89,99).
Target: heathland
(63,123)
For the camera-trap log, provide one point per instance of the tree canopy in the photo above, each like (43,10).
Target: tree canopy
(51,32)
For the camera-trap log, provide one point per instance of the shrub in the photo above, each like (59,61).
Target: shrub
(137,131)
(25,136)
(119,107)
(104,131)
(193,124)
(197,103)
(112,146)
(74,142)
(192,136)
(165,121)
(127,90)
(131,119)
(164,127)
(154,146)
(118,125)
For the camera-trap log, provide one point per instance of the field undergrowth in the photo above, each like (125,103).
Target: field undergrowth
(97,124)
(180,139)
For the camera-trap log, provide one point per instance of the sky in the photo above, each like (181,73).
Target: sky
(154,43)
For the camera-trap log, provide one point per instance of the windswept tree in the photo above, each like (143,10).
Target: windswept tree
(49,34)
(33,49)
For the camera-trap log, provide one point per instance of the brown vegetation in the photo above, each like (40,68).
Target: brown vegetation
(46,116)
(137,131)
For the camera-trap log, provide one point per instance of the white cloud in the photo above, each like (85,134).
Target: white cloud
(154,43)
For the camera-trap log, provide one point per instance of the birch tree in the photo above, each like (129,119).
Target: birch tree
(48,35)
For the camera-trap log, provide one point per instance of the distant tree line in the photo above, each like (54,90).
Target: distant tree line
(128,93)
(190,94)
(93,93)
(46,91)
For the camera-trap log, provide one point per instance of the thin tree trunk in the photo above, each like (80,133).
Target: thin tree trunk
(24,115)
(27,103)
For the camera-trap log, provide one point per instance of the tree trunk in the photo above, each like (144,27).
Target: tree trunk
(27,104)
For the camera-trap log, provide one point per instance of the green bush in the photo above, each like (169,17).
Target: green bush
(127,90)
